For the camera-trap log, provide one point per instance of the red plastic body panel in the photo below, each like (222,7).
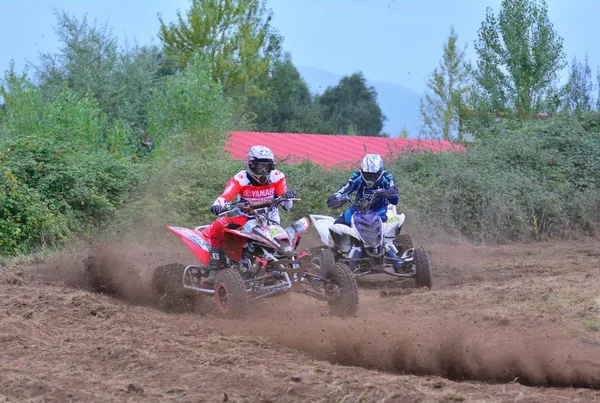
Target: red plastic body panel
(234,240)
(198,242)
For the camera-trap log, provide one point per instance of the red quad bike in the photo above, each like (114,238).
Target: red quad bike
(261,261)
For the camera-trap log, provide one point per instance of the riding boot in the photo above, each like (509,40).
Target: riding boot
(217,262)
(354,254)
(396,264)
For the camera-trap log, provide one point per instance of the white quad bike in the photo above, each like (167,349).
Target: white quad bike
(365,245)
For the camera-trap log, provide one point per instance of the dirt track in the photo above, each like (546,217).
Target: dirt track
(497,319)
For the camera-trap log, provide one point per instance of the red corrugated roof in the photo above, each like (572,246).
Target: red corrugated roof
(330,150)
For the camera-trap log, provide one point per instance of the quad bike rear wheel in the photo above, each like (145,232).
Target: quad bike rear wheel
(343,287)
(230,294)
(422,267)
(403,242)
(167,282)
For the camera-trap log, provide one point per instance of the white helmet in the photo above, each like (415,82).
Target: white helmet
(260,163)
(371,169)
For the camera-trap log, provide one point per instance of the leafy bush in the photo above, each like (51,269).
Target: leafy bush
(67,167)
(73,167)
(313,185)
(86,185)
(25,219)
(176,192)
(537,181)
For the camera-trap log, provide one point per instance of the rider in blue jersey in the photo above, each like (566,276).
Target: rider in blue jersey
(367,180)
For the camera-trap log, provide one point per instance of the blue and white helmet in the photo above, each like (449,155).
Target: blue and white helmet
(371,169)
(260,163)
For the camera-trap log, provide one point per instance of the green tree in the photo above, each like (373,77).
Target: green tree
(404,133)
(235,35)
(598,89)
(90,62)
(578,92)
(286,107)
(520,55)
(448,84)
(351,108)
(188,112)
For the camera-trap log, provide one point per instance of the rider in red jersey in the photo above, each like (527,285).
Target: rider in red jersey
(260,181)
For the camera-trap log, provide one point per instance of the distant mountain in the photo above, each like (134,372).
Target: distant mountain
(399,104)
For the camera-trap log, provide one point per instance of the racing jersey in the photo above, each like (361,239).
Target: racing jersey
(355,184)
(241,186)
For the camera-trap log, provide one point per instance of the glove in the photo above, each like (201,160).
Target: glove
(216,209)
(333,198)
(289,194)
(336,200)
(389,192)
(392,192)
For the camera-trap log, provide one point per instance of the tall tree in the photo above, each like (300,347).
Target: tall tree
(236,36)
(448,84)
(351,108)
(520,55)
(598,89)
(90,61)
(404,133)
(286,107)
(578,92)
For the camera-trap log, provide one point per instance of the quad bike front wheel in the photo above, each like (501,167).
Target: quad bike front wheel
(167,283)
(422,267)
(342,288)
(230,294)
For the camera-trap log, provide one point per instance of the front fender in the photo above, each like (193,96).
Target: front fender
(296,229)
(322,224)
(343,229)
(394,217)
(391,227)
(341,236)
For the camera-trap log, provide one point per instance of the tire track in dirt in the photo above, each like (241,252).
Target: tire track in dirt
(438,345)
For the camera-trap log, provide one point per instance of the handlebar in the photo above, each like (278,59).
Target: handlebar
(366,201)
(247,209)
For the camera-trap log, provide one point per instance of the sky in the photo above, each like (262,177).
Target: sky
(398,41)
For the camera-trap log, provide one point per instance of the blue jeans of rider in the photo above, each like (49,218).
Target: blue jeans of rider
(346,218)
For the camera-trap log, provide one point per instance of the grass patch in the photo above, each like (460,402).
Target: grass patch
(591,325)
